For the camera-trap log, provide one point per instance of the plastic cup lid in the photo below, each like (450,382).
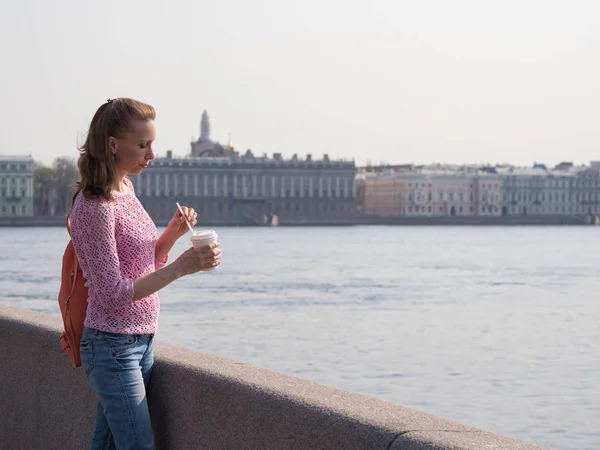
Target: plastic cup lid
(204,234)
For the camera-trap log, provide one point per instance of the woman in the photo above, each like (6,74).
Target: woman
(125,265)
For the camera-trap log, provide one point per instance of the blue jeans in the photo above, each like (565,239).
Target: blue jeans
(118,369)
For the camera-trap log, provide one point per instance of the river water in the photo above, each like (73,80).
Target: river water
(492,326)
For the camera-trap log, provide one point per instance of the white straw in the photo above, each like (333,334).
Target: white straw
(184,218)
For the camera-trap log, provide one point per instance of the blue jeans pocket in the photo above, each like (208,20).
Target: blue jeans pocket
(120,343)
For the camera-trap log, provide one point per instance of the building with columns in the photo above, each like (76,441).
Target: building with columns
(16,185)
(226,186)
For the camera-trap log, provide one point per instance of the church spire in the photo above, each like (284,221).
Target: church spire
(205,126)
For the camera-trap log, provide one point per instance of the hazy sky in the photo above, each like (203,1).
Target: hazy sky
(387,80)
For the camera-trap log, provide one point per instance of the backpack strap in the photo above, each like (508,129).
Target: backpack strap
(75,260)
(68,223)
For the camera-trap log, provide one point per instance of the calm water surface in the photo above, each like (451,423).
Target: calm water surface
(495,327)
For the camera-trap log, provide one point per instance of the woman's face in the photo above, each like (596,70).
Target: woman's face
(133,150)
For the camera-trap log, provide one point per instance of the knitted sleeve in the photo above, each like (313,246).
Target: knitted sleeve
(93,235)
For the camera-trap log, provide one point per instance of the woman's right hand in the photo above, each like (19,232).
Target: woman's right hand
(197,259)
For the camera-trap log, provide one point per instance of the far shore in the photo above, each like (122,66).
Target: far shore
(59,221)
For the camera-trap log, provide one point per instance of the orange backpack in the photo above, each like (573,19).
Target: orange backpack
(72,299)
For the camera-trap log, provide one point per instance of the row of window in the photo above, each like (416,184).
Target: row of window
(553,183)
(486,196)
(287,194)
(14,210)
(508,182)
(16,181)
(483,185)
(224,208)
(13,193)
(243,186)
(557,209)
(418,196)
(454,210)
(13,166)
(553,196)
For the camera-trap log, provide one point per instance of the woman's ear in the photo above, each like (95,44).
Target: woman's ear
(112,145)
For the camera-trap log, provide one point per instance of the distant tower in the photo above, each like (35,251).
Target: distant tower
(204,146)
(205,127)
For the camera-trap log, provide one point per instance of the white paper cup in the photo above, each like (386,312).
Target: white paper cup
(204,237)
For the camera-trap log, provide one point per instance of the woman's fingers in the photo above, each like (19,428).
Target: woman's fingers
(188,213)
(191,215)
(211,259)
(209,255)
(210,248)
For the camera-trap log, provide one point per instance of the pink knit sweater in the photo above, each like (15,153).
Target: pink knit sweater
(115,244)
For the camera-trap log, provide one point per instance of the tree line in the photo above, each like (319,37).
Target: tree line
(54,186)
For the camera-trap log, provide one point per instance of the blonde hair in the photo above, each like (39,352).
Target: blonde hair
(96,164)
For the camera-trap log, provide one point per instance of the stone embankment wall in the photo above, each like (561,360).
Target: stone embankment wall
(200,401)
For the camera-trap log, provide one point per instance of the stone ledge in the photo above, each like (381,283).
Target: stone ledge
(204,401)
(456,440)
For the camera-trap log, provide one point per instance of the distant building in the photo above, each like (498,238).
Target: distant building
(223,185)
(563,190)
(524,190)
(436,190)
(429,191)
(16,185)
(585,190)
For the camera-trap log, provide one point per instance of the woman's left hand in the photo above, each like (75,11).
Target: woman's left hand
(177,224)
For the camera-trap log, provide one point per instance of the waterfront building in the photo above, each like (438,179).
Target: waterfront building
(488,185)
(438,190)
(584,192)
(562,190)
(226,186)
(430,191)
(378,193)
(524,190)
(16,185)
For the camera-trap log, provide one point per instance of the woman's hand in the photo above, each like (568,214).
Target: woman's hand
(177,226)
(202,258)
(191,261)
